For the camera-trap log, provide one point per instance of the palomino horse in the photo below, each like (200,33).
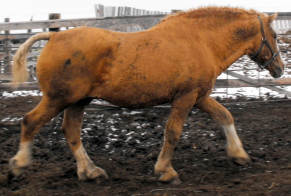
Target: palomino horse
(177,61)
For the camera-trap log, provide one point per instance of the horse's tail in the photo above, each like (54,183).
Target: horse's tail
(19,68)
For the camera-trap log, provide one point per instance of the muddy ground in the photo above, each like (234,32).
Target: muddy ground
(126,144)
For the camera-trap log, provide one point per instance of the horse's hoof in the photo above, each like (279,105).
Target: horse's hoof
(15,170)
(241,161)
(176,181)
(168,178)
(98,172)
(87,174)
(10,176)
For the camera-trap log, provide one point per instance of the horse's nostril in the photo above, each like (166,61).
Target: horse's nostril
(277,72)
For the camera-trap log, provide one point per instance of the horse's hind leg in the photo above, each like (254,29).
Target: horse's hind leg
(225,119)
(179,111)
(30,126)
(72,130)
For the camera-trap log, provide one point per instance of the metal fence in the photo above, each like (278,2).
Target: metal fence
(282,24)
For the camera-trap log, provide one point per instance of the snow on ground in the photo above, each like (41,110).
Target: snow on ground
(6,94)
(246,67)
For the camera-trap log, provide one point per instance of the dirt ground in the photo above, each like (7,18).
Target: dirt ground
(126,144)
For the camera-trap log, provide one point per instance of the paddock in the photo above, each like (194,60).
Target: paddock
(129,139)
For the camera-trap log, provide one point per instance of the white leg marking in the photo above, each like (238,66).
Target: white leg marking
(22,159)
(82,157)
(86,168)
(231,135)
(234,145)
(24,154)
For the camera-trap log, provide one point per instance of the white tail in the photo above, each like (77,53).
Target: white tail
(19,68)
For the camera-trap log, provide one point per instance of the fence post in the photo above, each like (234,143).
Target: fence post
(29,30)
(175,11)
(99,11)
(7,49)
(54,16)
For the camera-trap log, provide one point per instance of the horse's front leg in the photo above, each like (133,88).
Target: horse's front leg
(179,111)
(225,119)
(71,128)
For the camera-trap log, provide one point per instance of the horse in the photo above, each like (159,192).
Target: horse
(176,61)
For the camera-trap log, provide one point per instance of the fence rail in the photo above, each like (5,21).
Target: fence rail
(145,21)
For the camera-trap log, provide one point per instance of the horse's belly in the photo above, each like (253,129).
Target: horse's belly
(135,98)
(126,103)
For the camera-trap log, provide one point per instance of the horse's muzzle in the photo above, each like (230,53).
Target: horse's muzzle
(276,71)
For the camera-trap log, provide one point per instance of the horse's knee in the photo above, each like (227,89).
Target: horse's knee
(218,112)
(223,117)
(171,137)
(65,131)
(27,121)
(28,127)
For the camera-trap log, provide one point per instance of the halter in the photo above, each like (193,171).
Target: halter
(264,42)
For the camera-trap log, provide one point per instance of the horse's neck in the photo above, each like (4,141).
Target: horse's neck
(226,43)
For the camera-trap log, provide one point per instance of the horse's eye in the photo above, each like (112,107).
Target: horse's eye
(274,35)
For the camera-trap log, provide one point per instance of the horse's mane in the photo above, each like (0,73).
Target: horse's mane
(212,11)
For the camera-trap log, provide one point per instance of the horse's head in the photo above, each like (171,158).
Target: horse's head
(267,54)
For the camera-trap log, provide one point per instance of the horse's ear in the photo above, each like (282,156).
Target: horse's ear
(273,17)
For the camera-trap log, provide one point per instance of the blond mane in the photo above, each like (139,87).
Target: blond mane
(204,12)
